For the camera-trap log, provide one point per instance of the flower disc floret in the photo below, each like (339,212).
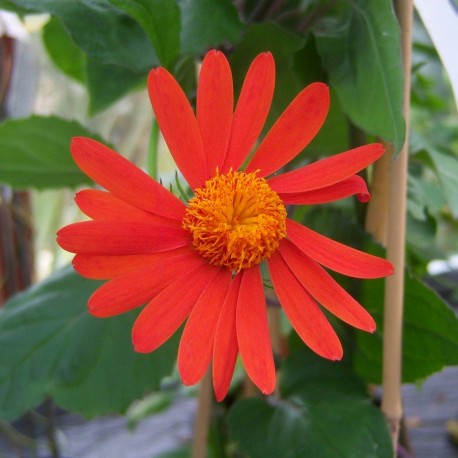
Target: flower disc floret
(236,220)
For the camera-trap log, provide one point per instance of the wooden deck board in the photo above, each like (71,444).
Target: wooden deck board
(427,410)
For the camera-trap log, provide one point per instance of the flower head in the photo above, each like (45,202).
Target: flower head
(200,261)
(236,220)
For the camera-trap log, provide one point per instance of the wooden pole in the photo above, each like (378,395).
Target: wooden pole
(396,230)
(203,417)
(377,208)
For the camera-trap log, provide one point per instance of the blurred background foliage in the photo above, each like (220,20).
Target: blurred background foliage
(93,57)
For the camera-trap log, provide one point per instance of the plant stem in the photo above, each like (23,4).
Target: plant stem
(50,428)
(153,150)
(396,230)
(203,416)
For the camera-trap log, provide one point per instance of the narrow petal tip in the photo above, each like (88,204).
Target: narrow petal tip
(371,326)
(187,382)
(364,197)
(268,391)
(138,347)
(214,52)
(76,140)
(320,88)
(336,353)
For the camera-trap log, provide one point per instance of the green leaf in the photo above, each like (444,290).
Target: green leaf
(64,52)
(35,153)
(51,346)
(208,24)
(323,411)
(447,172)
(107,83)
(103,32)
(160,19)
(422,240)
(430,333)
(360,48)
(10,5)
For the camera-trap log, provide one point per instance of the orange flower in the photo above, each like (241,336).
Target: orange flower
(200,261)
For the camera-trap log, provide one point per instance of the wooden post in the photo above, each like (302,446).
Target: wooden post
(203,417)
(396,230)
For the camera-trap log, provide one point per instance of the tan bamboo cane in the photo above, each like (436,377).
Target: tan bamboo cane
(396,230)
(203,417)
(377,208)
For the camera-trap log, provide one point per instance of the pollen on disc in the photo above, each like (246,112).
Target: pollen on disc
(236,220)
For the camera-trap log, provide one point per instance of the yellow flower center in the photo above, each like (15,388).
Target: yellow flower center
(236,220)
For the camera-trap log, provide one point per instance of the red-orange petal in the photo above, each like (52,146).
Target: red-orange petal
(105,266)
(196,344)
(251,111)
(102,205)
(346,188)
(335,255)
(215,103)
(126,181)
(328,171)
(139,286)
(293,131)
(305,315)
(108,237)
(167,311)
(325,289)
(253,331)
(225,347)
(178,125)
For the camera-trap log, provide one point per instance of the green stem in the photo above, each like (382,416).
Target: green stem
(153,150)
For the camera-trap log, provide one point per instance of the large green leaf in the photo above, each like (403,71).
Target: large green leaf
(105,33)
(64,52)
(360,48)
(51,346)
(35,153)
(430,333)
(160,19)
(107,83)
(323,411)
(208,24)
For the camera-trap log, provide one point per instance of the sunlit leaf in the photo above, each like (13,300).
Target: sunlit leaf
(64,52)
(35,153)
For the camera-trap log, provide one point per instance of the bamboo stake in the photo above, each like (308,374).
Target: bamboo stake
(394,286)
(377,207)
(203,416)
